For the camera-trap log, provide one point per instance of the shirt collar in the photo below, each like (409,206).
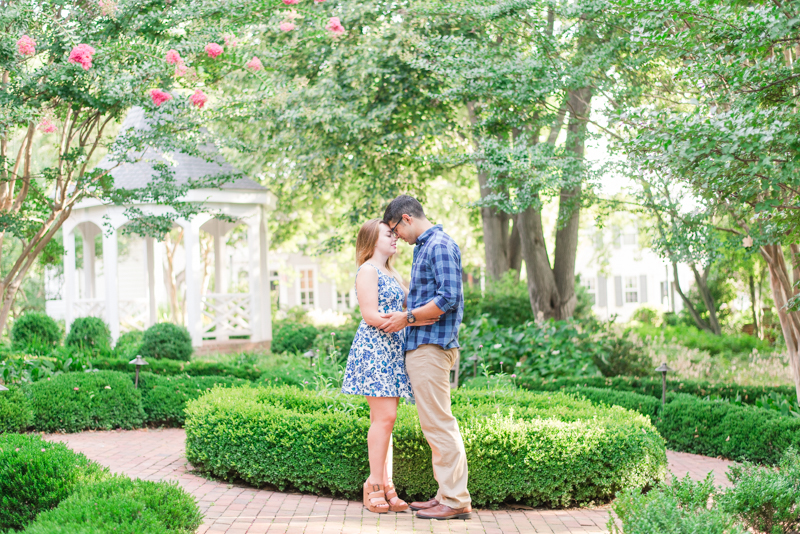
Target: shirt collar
(427,234)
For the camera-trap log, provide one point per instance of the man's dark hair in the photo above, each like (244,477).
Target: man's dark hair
(402,205)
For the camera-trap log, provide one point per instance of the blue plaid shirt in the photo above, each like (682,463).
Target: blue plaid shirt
(436,276)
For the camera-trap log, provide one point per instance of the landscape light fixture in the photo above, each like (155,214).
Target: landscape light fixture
(474,360)
(310,355)
(663,369)
(138,362)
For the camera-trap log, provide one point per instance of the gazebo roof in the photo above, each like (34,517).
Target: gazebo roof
(185,167)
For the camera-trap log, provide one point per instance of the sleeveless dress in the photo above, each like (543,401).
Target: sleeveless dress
(376,365)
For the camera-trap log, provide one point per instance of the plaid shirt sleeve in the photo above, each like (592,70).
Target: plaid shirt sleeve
(447,273)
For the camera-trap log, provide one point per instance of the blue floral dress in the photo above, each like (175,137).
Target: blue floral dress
(376,365)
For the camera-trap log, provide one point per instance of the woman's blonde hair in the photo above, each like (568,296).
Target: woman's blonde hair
(365,243)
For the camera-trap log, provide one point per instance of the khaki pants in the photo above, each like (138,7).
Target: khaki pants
(428,367)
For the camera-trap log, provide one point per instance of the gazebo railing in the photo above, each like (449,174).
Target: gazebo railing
(133,314)
(89,308)
(226,314)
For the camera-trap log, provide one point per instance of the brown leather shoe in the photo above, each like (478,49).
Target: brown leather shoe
(423,505)
(442,511)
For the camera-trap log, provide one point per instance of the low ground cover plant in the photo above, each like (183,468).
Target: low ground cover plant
(694,338)
(314,441)
(761,500)
(46,487)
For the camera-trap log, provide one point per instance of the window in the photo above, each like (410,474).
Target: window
(664,292)
(306,287)
(343,300)
(631,289)
(590,284)
(629,239)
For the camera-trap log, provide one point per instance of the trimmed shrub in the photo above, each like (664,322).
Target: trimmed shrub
(643,404)
(128,345)
(719,428)
(174,367)
(15,412)
(35,333)
(73,402)
(621,356)
(341,341)
(166,341)
(89,334)
(652,387)
(124,505)
(164,397)
(36,475)
(289,336)
(553,450)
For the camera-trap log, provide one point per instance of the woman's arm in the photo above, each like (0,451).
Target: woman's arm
(367,289)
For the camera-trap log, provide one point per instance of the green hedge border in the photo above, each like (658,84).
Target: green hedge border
(537,449)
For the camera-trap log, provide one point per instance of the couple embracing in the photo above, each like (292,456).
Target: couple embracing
(408,353)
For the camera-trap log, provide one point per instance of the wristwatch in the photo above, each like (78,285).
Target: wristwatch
(410,317)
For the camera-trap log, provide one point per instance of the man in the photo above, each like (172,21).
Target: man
(431,351)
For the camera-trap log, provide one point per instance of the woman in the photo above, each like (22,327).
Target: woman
(376,364)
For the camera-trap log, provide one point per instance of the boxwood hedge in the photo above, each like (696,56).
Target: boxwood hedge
(537,449)
(15,412)
(166,367)
(72,402)
(46,487)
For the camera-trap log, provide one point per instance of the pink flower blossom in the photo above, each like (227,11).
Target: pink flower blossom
(82,55)
(230,40)
(76,388)
(46,126)
(213,50)
(254,64)
(287,26)
(513,376)
(107,7)
(180,70)
(159,97)
(199,98)
(173,57)
(291,2)
(335,26)
(318,1)
(26,46)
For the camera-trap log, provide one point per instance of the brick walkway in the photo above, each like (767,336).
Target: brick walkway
(233,509)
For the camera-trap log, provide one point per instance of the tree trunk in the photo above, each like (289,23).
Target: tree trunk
(708,300)
(753,306)
(515,249)
(790,321)
(542,289)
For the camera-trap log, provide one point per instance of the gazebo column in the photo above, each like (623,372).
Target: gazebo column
(69,276)
(220,255)
(112,291)
(191,245)
(260,312)
(89,232)
(149,248)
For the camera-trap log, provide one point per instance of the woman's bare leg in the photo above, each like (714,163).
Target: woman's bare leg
(382,415)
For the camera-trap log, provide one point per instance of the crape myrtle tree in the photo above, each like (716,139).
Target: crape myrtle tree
(353,123)
(723,120)
(70,70)
(524,71)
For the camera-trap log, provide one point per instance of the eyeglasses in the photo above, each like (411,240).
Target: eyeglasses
(394,229)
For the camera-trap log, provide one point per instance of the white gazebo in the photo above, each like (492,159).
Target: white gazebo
(212,316)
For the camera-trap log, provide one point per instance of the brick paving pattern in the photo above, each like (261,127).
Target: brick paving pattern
(159,455)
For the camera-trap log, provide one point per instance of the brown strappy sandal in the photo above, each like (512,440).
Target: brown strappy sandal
(391,493)
(375,500)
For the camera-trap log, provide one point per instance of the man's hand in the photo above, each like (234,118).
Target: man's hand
(394,322)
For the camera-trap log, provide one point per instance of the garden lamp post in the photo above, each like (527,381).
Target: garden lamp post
(474,360)
(138,362)
(310,355)
(663,369)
